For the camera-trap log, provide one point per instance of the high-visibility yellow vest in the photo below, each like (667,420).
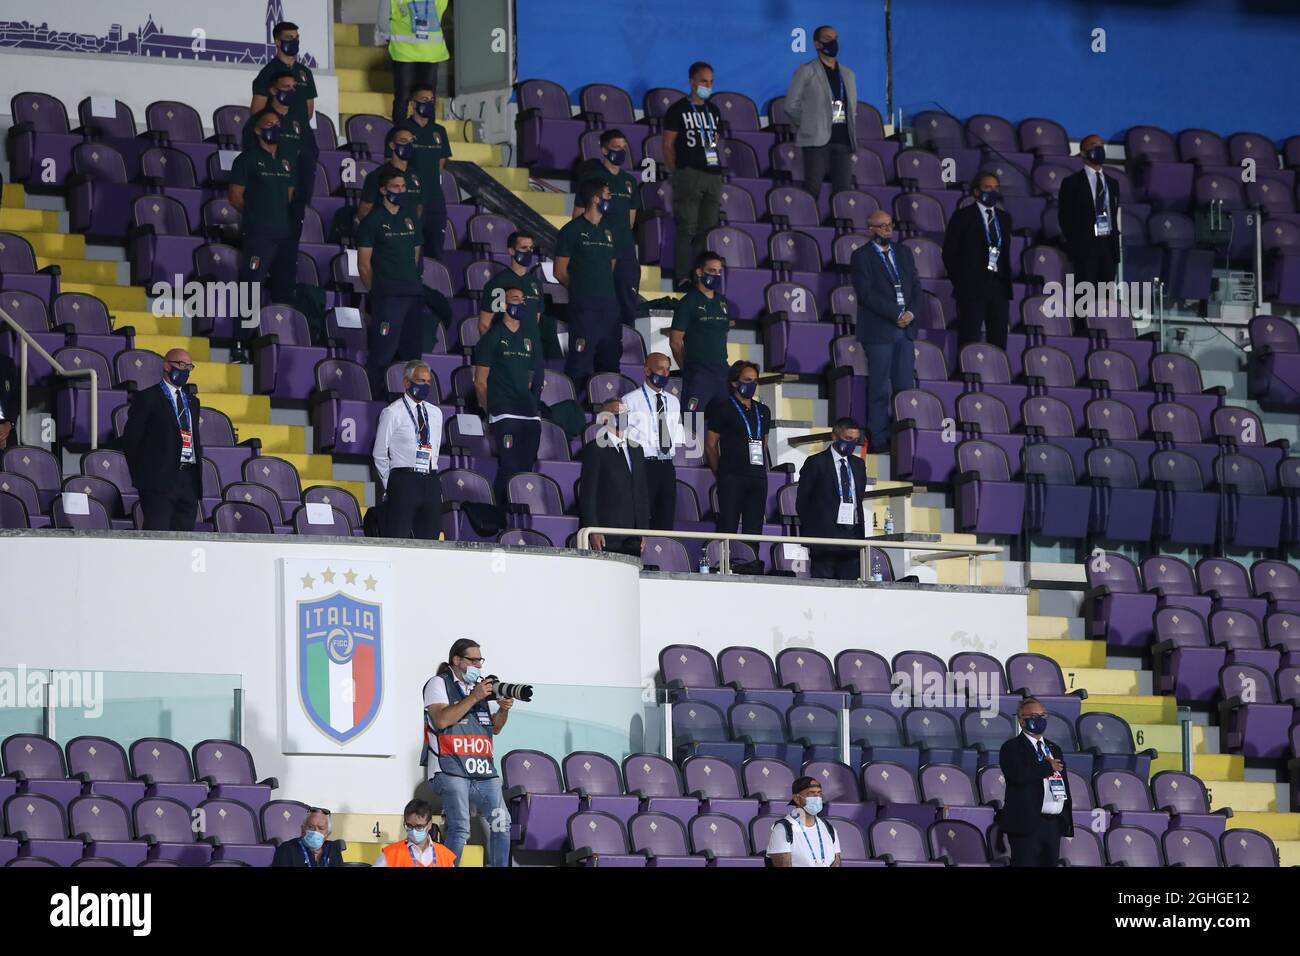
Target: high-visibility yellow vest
(403,44)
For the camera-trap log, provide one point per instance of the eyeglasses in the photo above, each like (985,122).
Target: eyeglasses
(311,810)
(475,660)
(184,366)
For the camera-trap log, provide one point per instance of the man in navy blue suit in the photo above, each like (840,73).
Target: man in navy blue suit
(889,291)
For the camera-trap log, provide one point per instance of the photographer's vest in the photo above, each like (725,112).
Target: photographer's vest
(406,44)
(465,748)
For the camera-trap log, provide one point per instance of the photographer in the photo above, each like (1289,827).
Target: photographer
(459,725)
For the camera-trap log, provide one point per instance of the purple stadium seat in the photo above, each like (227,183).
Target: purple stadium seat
(38,764)
(717,785)
(1184,797)
(1132,846)
(596,779)
(167,771)
(599,839)
(1247,848)
(548,131)
(1121,509)
(721,840)
(228,770)
(988,500)
(234,830)
(689,673)
(105,825)
(900,842)
(40,825)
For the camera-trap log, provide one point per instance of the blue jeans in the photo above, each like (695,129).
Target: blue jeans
(458,795)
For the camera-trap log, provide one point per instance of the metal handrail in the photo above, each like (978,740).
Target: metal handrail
(27,342)
(934,550)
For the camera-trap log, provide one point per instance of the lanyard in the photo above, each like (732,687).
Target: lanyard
(821,847)
(181,417)
(996,238)
(419,10)
(839,485)
(421,437)
(704,114)
(758,418)
(411,850)
(306,856)
(1105,193)
(844,90)
(654,413)
(887,257)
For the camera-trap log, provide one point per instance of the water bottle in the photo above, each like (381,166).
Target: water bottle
(704,563)
(875,574)
(889,521)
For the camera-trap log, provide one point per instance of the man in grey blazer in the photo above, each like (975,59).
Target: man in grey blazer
(820,106)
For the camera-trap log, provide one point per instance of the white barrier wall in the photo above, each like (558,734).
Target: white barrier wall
(213,605)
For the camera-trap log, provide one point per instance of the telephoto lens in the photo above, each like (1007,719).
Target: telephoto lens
(501,689)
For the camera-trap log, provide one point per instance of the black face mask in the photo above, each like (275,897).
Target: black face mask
(831,47)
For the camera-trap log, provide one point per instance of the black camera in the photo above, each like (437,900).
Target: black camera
(500,690)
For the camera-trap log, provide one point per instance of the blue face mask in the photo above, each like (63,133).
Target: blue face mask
(515,309)
(284,97)
(472,675)
(1036,725)
(313,840)
(526,259)
(420,391)
(404,151)
(812,805)
(289,47)
(711,282)
(845,446)
(990,197)
(1096,155)
(704,92)
(416,834)
(394,198)
(746,389)
(424,109)
(616,156)
(178,377)
(658,381)
(270,134)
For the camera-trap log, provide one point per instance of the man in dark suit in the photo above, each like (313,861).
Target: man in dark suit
(888,290)
(162,447)
(613,491)
(1036,813)
(313,848)
(1089,211)
(977,258)
(829,501)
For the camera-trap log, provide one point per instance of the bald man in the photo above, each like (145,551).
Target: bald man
(1089,210)
(162,448)
(655,423)
(889,294)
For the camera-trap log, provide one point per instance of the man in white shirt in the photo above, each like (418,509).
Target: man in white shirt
(654,418)
(802,838)
(406,457)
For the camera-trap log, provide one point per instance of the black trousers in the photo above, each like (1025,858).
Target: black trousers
(1095,263)
(595,339)
(396,334)
(627,283)
(172,509)
(835,157)
(1040,848)
(434,226)
(271,261)
(661,482)
(517,440)
(412,505)
(742,500)
(987,307)
(405,76)
(835,564)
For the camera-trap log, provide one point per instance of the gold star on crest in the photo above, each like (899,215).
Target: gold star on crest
(327,576)
(307,581)
(370,583)
(350,576)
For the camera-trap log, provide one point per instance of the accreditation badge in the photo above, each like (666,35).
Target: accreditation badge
(254,263)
